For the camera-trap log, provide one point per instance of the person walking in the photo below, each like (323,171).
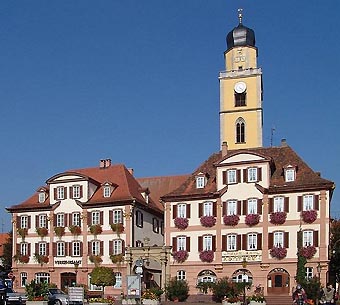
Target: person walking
(299,295)
(327,295)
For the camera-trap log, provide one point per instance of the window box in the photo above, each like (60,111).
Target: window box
(308,252)
(180,256)
(231,220)
(42,232)
(208,221)
(309,216)
(181,223)
(278,252)
(207,256)
(24,259)
(252,219)
(22,232)
(96,229)
(117,228)
(117,258)
(75,230)
(41,259)
(278,218)
(96,259)
(59,231)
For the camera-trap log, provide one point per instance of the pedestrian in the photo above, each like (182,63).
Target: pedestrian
(327,295)
(299,295)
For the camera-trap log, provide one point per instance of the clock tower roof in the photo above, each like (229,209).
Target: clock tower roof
(240,35)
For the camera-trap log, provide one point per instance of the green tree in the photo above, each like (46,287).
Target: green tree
(7,253)
(103,276)
(334,265)
(177,289)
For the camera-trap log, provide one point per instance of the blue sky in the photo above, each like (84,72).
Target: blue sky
(137,81)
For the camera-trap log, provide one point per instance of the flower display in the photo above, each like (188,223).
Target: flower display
(231,220)
(252,219)
(41,259)
(278,218)
(180,256)
(207,256)
(22,232)
(96,259)
(117,227)
(108,300)
(96,229)
(278,252)
(75,230)
(59,231)
(24,259)
(308,251)
(42,232)
(309,216)
(232,300)
(150,295)
(208,221)
(181,223)
(117,258)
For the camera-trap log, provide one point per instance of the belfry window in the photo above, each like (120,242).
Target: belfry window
(240,99)
(240,131)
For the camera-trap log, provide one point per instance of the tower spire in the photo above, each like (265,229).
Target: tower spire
(240,15)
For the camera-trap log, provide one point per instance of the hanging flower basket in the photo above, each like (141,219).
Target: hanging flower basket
(41,259)
(231,220)
(278,218)
(42,232)
(59,231)
(180,256)
(181,223)
(96,259)
(252,219)
(96,229)
(22,232)
(117,258)
(117,228)
(207,256)
(308,252)
(208,221)
(24,259)
(75,230)
(309,216)
(278,252)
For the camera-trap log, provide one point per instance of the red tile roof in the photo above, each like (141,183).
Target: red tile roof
(3,240)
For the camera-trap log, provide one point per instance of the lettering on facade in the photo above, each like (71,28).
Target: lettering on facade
(239,256)
(68,262)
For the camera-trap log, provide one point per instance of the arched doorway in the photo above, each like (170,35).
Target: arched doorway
(278,281)
(67,279)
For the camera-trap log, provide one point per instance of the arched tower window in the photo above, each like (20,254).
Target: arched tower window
(240,130)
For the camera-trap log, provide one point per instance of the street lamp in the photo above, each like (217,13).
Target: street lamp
(244,266)
(76,266)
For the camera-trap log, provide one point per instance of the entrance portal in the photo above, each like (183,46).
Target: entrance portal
(278,281)
(67,280)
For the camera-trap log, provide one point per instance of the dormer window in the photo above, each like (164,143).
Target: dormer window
(290,174)
(42,197)
(200,182)
(60,193)
(76,191)
(107,191)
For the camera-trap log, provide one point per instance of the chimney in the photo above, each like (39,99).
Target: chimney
(107,162)
(224,149)
(284,143)
(102,163)
(130,171)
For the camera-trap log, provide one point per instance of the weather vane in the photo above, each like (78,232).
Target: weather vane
(240,11)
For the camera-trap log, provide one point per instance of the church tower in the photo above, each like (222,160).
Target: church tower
(241,112)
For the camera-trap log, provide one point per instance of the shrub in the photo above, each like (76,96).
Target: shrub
(36,290)
(177,289)
(223,288)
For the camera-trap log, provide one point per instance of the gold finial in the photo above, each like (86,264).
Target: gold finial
(240,15)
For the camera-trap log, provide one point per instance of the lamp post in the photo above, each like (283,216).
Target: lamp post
(76,266)
(244,266)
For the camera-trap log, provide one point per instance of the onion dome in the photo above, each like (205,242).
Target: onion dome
(240,35)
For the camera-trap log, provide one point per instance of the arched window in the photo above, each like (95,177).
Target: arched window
(240,131)
(42,277)
(118,276)
(206,276)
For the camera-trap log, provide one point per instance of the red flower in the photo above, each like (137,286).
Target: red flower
(252,219)
(278,218)
(181,223)
(208,221)
(231,220)
(278,252)
(308,251)
(309,216)
(207,256)
(180,256)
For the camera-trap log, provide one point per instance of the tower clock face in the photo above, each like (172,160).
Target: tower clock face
(240,87)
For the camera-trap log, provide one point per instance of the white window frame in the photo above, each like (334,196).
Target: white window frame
(231,242)
(207,242)
(95,217)
(117,216)
(308,202)
(42,248)
(181,243)
(76,191)
(289,174)
(23,279)
(42,277)
(76,248)
(60,248)
(208,208)
(181,275)
(278,204)
(118,276)
(95,247)
(41,197)
(200,182)
(278,239)
(106,191)
(232,207)
(309,273)
(24,248)
(308,238)
(252,174)
(42,221)
(182,210)
(252,241)
(60,193)
(60,220)
(24,222)
(117,246)
(231,176)
(139,219)
(252,206)
(76,219)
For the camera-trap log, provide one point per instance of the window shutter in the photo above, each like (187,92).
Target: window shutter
(214,243)
(65,192)
(187,243)
(174,244)
(224,242)
(238,242)
(29,222)
(271,205)
(286,207)
(101,216)
(200,209)
(188,210)
(18,222)
(215,209)
(65,220)
(239,207)
(244,242)
(299,203)
(36,247)
(315,238)
(70,219)
(101,244)
(259,206)
(29,249)
(238,176)
(47,249)
(81,191)
(54,249)
(55,220)
(110,217)
(224,177)
(123,246)
(270,240)
(259,241)
(316,202)
(174,211)
(110,247)
(37,221)
(244,207)
(67,248)
(286,240)
(245,176)
(55,193)
(81,249)
(259,174)
(224,207)
(200,243)
(89,249)
(71,192)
